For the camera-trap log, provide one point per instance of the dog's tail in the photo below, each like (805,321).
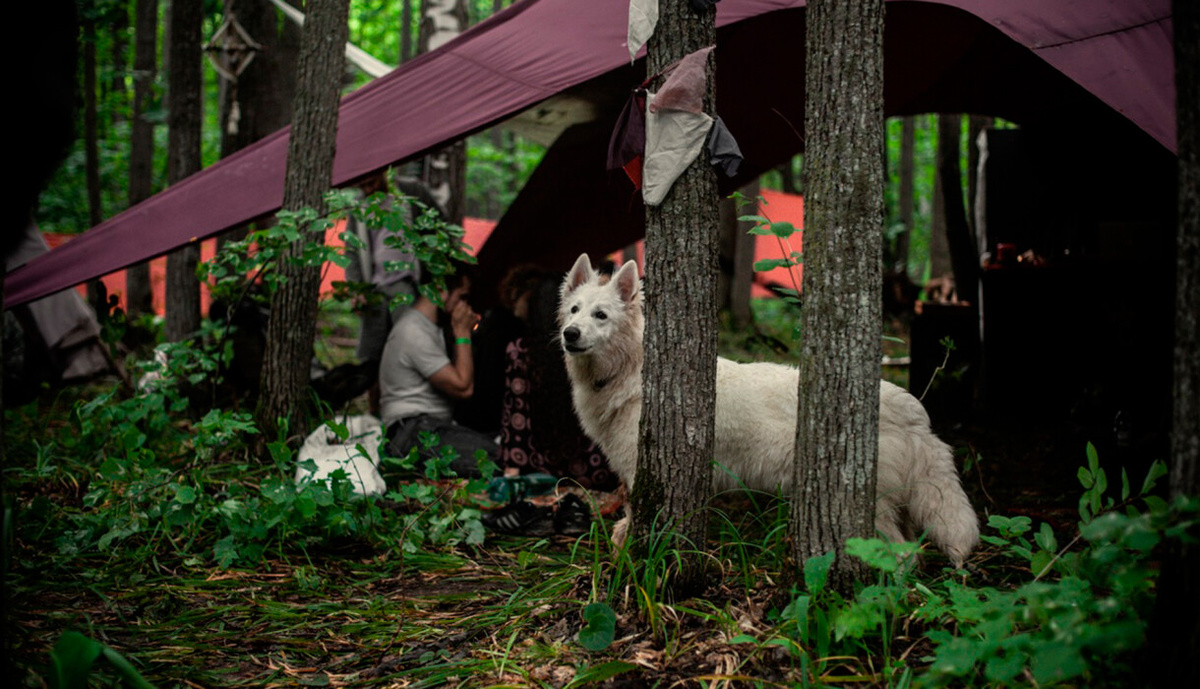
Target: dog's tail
(937,503)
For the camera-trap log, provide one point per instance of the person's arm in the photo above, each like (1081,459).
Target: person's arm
(457,379)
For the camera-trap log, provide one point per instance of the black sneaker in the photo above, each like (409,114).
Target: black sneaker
(572,516)
(521,518)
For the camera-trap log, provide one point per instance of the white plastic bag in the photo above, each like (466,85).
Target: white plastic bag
(331,453)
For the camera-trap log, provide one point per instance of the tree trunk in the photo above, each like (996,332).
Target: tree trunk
(838,424)
(184,117)
(138,295)
(964,250)
(446,170)
(292,325)
(908,135)
(736,260)
(91,139)
(975,126)
(118,19)
(675,447)
(1176,635)
(406,31)
(259,103)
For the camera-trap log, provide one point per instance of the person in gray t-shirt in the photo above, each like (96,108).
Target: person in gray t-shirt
(419,383)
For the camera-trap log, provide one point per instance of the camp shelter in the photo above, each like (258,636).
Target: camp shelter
(562,65)
(1089,83)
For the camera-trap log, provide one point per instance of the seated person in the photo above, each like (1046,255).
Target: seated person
(540,432)
(498,328)
(419,383)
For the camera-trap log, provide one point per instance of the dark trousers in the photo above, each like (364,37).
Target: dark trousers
(405,434)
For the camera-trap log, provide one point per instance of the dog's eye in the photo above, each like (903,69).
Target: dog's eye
(600,315)
(575,309)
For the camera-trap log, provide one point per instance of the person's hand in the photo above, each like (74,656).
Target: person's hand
(463,319)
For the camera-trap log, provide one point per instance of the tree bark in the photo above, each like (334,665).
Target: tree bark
(261,98)
(838,422)
(445,171)
(138,295)
(292,325)
(964,250)
(184,117)
(91,139)
(1176,636)
(675,448)
(975,126)
(406,31)
(118,24)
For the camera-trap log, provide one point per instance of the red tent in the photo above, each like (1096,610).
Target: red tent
(1025,60)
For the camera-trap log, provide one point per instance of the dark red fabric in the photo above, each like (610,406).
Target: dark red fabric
(1019,59)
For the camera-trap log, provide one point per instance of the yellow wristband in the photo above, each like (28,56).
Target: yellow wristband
(462,340)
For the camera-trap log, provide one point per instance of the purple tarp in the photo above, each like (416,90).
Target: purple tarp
(1025,60)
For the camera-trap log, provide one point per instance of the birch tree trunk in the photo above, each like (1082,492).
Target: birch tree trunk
(838,424)
(184,117)
(292,325)
(445,170)
(138,296)
(675,448)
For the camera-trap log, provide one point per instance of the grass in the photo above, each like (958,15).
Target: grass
(344,607)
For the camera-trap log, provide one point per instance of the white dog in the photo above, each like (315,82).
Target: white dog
(601,323)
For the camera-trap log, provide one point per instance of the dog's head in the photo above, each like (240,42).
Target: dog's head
(595,308)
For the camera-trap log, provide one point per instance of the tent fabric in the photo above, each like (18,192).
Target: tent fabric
(1012,58)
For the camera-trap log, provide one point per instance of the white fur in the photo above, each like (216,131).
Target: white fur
(601,323)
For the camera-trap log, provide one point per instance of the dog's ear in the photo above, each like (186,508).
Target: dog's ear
(627,281)
(580,273)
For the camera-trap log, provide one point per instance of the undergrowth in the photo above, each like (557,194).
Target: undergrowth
(147,541)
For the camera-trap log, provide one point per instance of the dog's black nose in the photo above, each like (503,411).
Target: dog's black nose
(570,334)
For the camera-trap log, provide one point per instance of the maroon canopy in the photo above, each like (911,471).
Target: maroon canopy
(1025,60)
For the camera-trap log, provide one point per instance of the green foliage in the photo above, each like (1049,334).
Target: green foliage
(74,656)
(599,627)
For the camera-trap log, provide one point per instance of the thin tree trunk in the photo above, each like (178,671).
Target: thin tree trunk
(675,448)
(1176,636)
(184,117)
(138,295)
(908,135)
(838,423)
(259,103)
(406,31)
(118,17)
(975,126)
(964,251)
(446,170)
(292,326)
(91,143)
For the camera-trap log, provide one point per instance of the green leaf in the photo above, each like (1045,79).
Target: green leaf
(743,639)
(185,494)
(71,660)
(1055,661)
(1158,469)
(783,229)
(129,675)
(599,628)
(1085,478)
(1124,485)
(1093,458)
(593,676)
(766,264)
(759,222)
(1045,538)
(225,551)
(816,572)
